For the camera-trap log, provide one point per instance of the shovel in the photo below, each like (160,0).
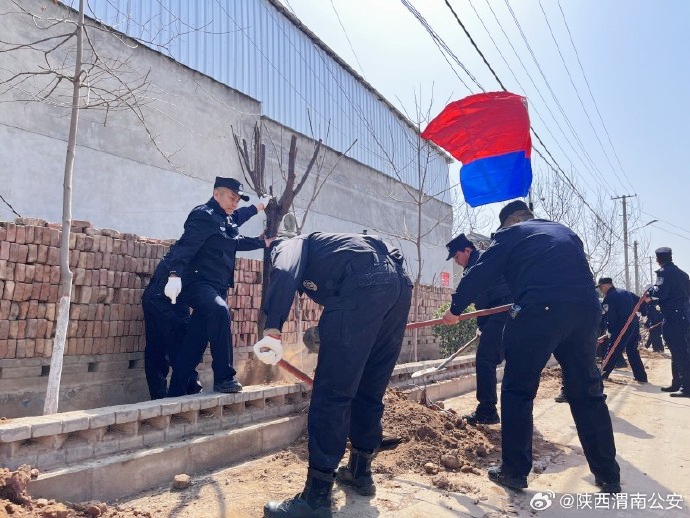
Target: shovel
(441,366)
(464,316)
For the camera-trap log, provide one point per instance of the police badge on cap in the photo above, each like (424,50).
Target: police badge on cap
(232,184)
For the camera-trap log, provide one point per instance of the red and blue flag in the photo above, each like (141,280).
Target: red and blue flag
(490,134)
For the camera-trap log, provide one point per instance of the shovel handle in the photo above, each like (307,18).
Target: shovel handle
(464,316)
(296,372)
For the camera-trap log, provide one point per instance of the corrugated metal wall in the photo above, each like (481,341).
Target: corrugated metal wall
(252,47)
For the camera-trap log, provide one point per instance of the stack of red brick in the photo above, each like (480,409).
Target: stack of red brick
(110,269)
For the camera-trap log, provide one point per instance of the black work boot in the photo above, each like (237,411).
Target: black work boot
(561,397)
(313,502)
(229,386)
(672,388)
(607,487)
(474,418)
(497,475)
(357,473)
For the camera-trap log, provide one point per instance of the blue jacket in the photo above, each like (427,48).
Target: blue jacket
(617,306)
(206,250)
(319,265)
(497,294)
(672,287)
(542,261)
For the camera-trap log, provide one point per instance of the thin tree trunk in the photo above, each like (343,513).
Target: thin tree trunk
(53,391)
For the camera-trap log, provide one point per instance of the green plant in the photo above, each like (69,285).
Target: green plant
(453,337)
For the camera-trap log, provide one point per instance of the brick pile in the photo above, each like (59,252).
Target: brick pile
(111,270)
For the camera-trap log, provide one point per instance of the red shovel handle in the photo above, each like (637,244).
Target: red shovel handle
(464,316)
(296,372)
(613,348)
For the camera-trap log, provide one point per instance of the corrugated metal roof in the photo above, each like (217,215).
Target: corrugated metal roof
(260,49)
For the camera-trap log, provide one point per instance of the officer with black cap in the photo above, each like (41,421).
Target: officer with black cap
(366,298)
(202,268)
(672,289)
(556,311)
(617,306)
(490,349)
(166,322)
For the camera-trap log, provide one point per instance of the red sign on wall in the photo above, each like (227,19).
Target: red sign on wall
(445,279)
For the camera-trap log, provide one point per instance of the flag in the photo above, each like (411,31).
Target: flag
(489,134)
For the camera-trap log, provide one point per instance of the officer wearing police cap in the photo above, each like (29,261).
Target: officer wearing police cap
(201,269)
(672,289)
(556,311)
(490,348)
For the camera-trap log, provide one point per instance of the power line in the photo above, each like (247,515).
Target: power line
(533,106)
(557,167)
(548,86)
(10,206)
(361,68)
(596,107)
(600,178)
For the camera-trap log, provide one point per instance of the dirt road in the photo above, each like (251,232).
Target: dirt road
(651,435)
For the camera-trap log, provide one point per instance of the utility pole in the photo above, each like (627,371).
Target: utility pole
(637,269)
(651,272)
(624,197)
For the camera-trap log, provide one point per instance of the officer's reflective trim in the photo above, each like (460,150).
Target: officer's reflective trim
(310,285)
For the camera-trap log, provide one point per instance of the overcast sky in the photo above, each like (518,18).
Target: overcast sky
(634,54)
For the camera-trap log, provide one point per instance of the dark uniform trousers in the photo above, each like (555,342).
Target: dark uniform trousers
(489,356)
(210,321)
(675,330)
(166,325)
(654,339)
(569,331)
(361,332)
(629,344)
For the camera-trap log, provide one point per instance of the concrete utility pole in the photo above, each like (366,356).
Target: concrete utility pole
(624,197)
(651,272)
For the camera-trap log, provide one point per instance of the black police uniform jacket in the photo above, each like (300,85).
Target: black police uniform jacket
(542,261)
(672,288)
(206,250)
(617,306)
(498,294)
(317,265)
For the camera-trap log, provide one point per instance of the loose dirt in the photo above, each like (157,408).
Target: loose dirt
(439,449)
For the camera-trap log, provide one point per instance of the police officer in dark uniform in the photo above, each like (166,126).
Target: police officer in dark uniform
(490,348)
(166,323)
(202,268)
(617,306)
(556,311)
(366,298)
(672,289)
(653,325)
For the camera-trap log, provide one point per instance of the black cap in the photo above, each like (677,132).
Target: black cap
(509,209)
(605,280)
(232,184)
(664,250)
(456,244)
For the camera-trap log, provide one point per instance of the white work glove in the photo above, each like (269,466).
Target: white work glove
(173,288)
(269,350)
(479,332)
(263,202)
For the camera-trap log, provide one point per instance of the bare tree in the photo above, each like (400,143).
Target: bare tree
(65,69)
(424,213)
(254,166)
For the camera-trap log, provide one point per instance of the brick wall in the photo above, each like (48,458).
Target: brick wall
(110,272)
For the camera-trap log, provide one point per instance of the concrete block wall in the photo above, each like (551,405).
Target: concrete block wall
(105,340)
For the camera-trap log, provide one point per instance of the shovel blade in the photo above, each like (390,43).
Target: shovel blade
(426,372)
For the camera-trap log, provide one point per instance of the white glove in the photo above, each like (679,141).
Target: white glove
(173,288)
(269,350)
(479,332)
(263,202)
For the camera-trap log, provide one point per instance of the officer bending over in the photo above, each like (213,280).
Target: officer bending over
(618,305)
(490,348)
(366,298)
(556,311)
(202,268)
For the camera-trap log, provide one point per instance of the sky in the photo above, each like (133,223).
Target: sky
(628,137)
